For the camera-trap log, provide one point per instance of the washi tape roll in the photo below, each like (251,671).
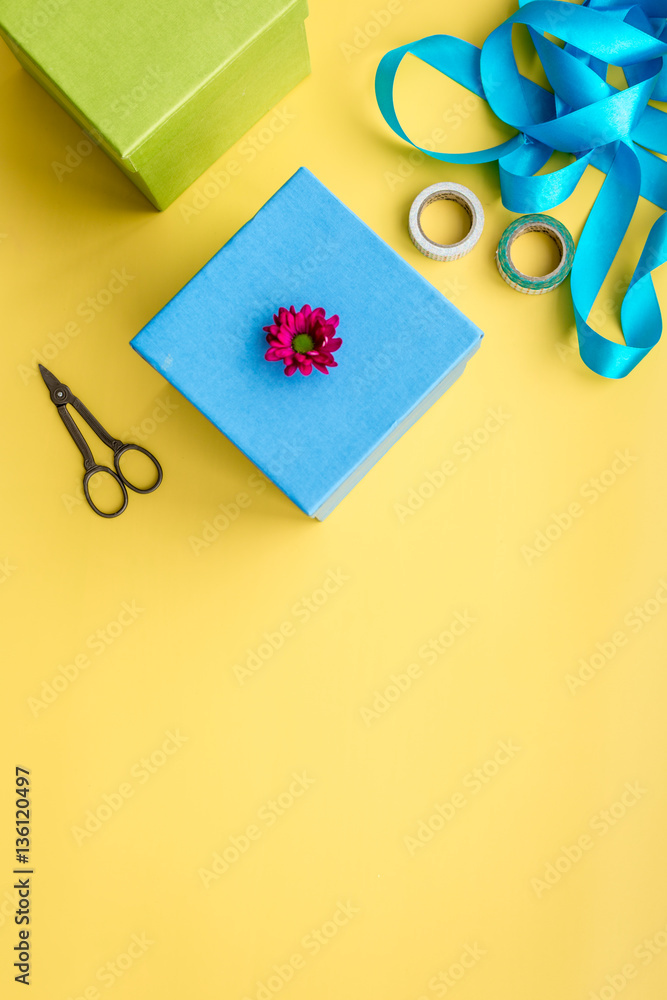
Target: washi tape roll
(448,192)
(528,283)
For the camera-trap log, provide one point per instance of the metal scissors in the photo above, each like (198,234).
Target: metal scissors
(62,396)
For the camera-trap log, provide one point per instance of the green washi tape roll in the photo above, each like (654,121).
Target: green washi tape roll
(528,283)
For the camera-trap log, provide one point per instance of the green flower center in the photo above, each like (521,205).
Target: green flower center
(303,343)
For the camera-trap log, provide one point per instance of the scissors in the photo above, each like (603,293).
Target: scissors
(61,396)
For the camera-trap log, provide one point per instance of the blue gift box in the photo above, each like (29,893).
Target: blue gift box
(314,436)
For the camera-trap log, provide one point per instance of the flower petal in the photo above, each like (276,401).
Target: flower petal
(288,323)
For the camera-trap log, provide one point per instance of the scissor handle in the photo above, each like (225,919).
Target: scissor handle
(107,472)
(137,447)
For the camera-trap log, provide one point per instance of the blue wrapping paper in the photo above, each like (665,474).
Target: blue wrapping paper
(314,436)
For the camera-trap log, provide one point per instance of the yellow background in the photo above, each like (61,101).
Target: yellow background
(480,882)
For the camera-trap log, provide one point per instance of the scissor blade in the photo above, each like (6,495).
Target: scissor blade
(51,381)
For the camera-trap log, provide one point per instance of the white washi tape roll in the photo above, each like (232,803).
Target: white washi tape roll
(450,192)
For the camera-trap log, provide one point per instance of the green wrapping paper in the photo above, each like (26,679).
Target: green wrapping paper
(163,87)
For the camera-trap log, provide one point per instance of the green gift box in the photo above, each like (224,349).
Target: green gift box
(163,86)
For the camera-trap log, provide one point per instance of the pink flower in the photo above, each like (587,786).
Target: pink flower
(303,339)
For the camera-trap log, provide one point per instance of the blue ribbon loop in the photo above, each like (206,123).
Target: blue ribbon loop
(617,131)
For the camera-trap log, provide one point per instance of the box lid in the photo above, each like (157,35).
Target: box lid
(128,65)
(401,339)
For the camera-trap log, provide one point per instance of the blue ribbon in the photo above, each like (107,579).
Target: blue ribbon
(617,131)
